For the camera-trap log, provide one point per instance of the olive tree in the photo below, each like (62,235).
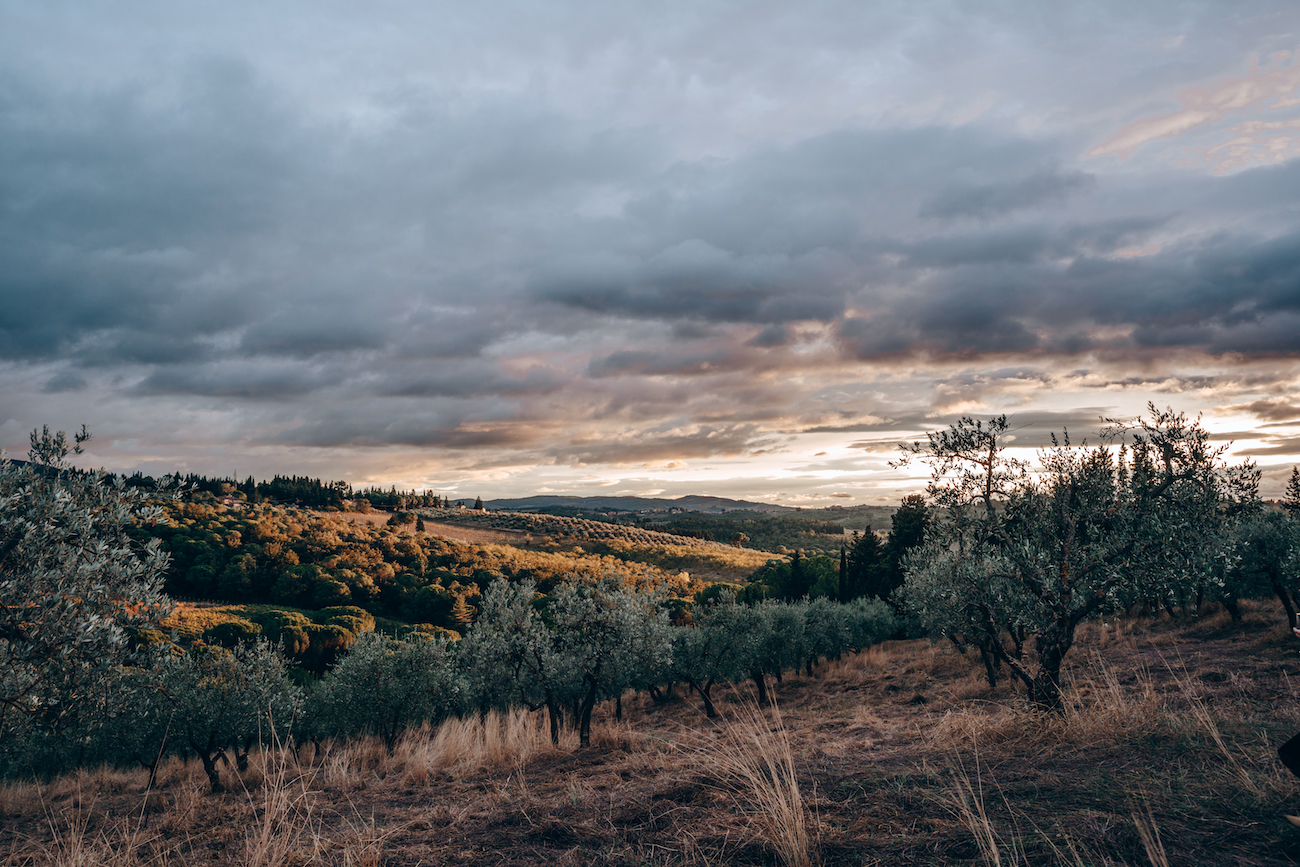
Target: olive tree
(608,637)
(727,643)
(1014,557)
(219,700)
(74,583)
(509,658)
(385,686)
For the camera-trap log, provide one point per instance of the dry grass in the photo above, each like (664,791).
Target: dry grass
(465,746)
(756,760)
(900,755)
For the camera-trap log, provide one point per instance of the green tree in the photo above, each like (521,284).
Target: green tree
(862,568)
(608,637)
(1291,499)
(384,687)
(1264,548)
(223,700)
(1016,557)
(907,530)
(74,583)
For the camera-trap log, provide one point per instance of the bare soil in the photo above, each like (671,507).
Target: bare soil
(1165,755)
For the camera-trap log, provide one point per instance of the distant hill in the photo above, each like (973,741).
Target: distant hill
(637,504)
(849,517)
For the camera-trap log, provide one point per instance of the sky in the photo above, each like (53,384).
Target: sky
(731,248)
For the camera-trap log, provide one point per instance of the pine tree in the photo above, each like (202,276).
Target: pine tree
(478,504)
(419,523)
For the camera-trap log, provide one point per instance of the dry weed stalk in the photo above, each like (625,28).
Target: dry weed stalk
(1200,713)
(966,800)
(468,744)
(283,813)
(71,844)
(757,760)
(1149,834)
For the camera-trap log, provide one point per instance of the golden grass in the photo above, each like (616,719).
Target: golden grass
(757,762)
(469,745)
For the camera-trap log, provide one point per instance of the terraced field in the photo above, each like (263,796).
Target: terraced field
(560,527)
(709,561)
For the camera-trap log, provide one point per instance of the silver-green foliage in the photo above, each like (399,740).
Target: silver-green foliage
(602,639)
(73,587)
(608,637)
(219,700)
(1015,557)
(507,657)
(385,686)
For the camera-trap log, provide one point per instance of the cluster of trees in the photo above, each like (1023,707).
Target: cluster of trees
(866,566)
(403,500)
(291,557)
(1153,517)
(565,652)
(297,490)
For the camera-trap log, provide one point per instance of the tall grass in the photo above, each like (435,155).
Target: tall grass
(282,826)
(757,761)
(471,744)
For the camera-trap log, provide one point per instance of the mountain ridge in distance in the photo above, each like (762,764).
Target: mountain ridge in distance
(689,503)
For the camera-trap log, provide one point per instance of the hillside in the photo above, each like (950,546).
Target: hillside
(902,755)
(692,503)
(849,517)
(699,558)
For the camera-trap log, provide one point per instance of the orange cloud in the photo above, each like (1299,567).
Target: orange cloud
(1202,105)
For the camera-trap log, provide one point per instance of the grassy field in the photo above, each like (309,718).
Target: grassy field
(900,755)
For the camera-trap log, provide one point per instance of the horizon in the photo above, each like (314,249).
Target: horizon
(581,250)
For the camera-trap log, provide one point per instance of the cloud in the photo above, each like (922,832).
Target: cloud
(66,380)
(1273,447)
(698,441)
(694,279)
(1209,104)
(1269,410)
(543,237)
(991,200)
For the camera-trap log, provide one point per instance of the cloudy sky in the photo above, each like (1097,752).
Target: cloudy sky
(736,248)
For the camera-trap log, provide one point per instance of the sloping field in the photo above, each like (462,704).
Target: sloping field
(901,755)
(558,527)
(709,561)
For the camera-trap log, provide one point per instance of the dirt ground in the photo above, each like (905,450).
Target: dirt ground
(902,755)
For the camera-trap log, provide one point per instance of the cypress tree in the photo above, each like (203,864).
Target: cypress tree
(1291,500)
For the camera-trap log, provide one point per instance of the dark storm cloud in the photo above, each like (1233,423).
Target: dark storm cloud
(1274,447)
(479,228)
(700,441)
(992,200)
(1269,410)
(311,332)
(772,335)
(647,363)
(1030,428)
(468,380)
(238,380)
(694,279)
(65,381)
